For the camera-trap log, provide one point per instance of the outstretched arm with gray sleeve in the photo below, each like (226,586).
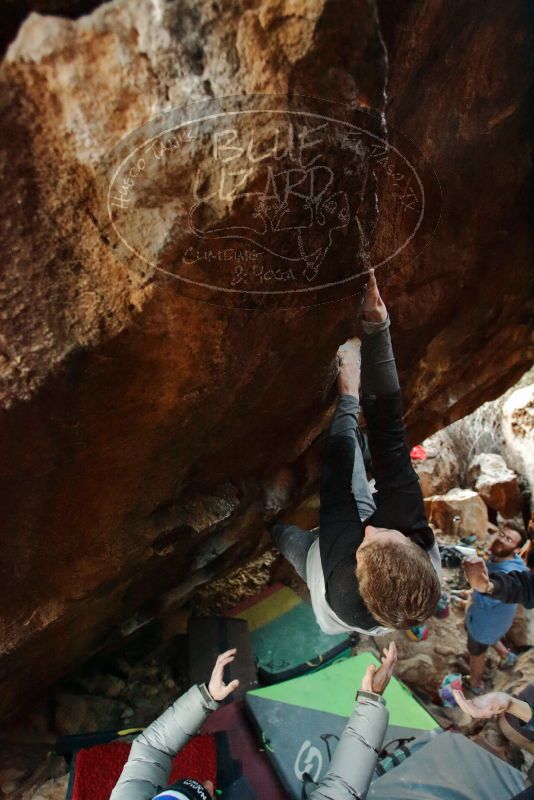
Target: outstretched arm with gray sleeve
(149,764)
(354,761)
(355,757)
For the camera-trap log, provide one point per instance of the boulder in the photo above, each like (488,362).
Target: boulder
(515,680)
(440,470)
(518,432)
(75,713)
(54,789)
(521,634)
(496,484)
(418,670)
(143,416)
(468,505)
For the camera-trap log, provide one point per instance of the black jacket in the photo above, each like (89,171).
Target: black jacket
(398,499)
(514,587)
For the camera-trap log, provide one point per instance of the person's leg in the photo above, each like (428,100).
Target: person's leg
(476,669)
(508,658)
(501,649)
(345,423)
(360,485)
(477,661)
(294,543)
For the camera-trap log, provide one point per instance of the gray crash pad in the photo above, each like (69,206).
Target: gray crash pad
(449,767)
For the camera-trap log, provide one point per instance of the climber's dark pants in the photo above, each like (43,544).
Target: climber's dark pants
(378,377)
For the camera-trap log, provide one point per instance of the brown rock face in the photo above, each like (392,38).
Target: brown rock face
(144,424)
(440,470)
(496,484)
(459,511)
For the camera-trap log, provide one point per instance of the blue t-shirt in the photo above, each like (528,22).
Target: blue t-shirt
(488,619)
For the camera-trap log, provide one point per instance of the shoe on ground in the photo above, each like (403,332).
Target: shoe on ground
(509,662)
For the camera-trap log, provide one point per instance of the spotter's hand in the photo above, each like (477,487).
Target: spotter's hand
(217,687)
(376,678)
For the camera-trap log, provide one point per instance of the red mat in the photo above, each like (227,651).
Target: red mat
(97,769)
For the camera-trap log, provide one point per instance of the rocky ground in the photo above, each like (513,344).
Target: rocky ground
(122,691)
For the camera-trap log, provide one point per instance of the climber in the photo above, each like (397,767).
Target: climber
(350,771)
(372,566)
(488,619)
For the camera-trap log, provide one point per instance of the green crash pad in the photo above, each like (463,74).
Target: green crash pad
(286,639)
(299,721)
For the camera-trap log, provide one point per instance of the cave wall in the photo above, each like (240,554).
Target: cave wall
(143,432)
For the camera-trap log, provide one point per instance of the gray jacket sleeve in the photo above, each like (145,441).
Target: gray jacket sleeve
(149,764)
(354,761)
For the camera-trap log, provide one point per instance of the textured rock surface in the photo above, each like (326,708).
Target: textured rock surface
(54,789)
(518,431)
(521,634)
(468,505)
(504,427)
(440,470)
(142,431)
(496,484)
(519,677)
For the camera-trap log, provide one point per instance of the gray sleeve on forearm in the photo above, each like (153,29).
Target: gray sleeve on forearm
(170,732)
(379,371)
(149,763)
(369,328)
(354,761)
(345,419)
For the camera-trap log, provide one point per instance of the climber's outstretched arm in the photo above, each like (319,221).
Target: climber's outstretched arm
(400,500)
(353,765)
(149,765)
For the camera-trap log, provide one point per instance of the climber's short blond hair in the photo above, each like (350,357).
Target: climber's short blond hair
(398,583)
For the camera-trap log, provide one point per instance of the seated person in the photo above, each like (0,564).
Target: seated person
(374,565)
(349,774)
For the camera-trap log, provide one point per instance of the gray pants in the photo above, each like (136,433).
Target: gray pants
(378,377)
